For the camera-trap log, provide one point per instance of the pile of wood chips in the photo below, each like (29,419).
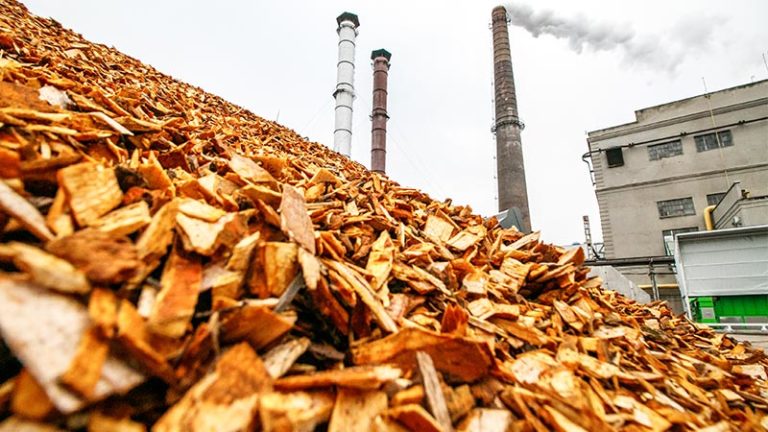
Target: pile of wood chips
(171,261)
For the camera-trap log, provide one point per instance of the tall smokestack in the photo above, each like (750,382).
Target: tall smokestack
(509,150)
(345,87)
(379,115)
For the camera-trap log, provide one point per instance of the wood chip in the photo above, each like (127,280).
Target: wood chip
(467,238)
(361,377)
(85,369)
(16,424)
(294,220)
(462,359)
(153,242)
(280,358)
(256,324)
(380,260)
(415,418)
(175,303)
(229,395)
(435,397)
(412,395)
(295,411)
(29,399)
(458,400)
(200,236)
(487,420)
(134,338)
(361,287)
(103,258)
(20,209)
(250,170)
(154,174)
(280,266)
(356,409)
(438,228)
(125,220)
(48,270)
(98,422)
(92,191)
(27,315)
(102,310)
(111,122)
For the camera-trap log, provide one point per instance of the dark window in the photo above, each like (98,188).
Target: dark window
(712,141)
(615,157)
(714,199)
(665,150)
(676,207)
(669,238)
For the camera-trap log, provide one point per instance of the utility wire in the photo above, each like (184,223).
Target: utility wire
(707,96)
(314,117)
(419,166)
(425,178)
(494,148)
(424,167)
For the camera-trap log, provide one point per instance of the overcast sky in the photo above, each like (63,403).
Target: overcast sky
(579,66)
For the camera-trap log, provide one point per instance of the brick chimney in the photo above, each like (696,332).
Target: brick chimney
(379,115)
(509,149)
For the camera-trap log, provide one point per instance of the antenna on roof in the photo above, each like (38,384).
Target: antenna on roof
(765,62)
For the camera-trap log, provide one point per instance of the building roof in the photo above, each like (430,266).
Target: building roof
(651,113)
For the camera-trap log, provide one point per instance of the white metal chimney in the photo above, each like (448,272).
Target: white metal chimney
(345,87)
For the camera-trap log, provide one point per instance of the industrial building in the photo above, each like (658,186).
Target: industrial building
(664,173)
(170,261)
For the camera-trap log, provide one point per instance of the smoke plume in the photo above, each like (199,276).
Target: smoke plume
(646,50)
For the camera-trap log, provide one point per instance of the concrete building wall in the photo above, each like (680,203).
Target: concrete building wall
(632,214)
(628,195)
(750,141)
(614,280)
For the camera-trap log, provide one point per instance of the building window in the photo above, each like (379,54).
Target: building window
(711,141)
(665,150)
(668,237)
(714,199)
(615,157)
(676,207)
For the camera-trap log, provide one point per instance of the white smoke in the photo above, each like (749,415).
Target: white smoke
(644,50)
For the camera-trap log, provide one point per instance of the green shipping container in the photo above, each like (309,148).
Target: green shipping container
(755,306)
(744,309)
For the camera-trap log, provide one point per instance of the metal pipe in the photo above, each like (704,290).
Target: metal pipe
(743,327)
(345,88)
(708,223)
(659,286)
(654,285)
(632,261)
(379,115)
(510,168)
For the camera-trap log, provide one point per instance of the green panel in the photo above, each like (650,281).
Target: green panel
(743,306)
(732,309)
(703,310)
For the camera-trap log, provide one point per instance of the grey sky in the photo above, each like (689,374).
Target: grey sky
(280,57)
